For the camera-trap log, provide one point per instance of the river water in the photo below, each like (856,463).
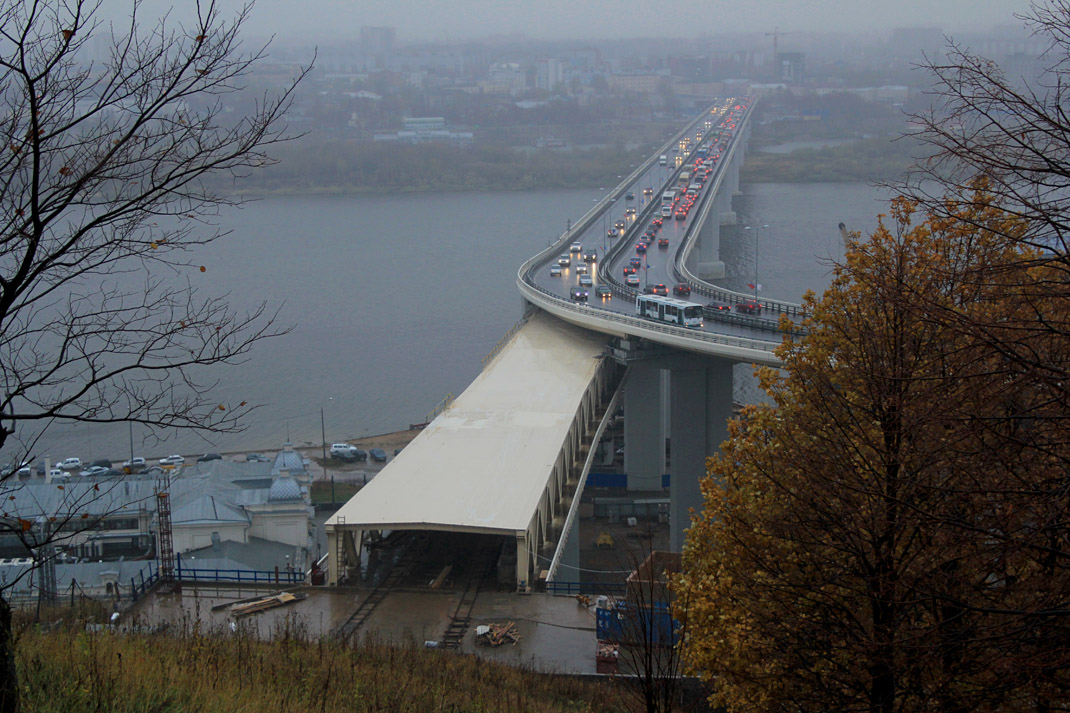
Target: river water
(393,301)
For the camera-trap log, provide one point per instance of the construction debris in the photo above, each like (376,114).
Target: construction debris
(258,605)
(497,634)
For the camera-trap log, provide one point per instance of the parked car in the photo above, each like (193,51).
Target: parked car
(256,458)
(682,289)
(555,271)
(70,464)
(93,471)
(378,455)
(57,473)
(339,449)
(172,460)
(209,456)
(135,463)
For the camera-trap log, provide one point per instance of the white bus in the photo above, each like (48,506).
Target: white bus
(668,197)
(669,310)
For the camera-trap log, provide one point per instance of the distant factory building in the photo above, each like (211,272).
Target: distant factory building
(418,130)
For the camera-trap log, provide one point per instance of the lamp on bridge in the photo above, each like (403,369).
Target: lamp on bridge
(755,286)
(323,436)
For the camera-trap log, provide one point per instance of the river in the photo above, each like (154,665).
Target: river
(393,301)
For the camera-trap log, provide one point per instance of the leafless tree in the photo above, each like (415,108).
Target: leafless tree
(110,138)
(653,626)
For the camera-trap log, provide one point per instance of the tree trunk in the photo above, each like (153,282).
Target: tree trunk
(9,681)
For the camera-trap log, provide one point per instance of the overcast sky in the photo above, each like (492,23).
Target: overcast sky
(551,19)
(442,20)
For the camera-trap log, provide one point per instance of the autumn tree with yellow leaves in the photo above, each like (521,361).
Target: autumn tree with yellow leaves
(890,535)
(110,136)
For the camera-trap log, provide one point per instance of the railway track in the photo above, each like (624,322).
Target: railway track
(478,570)
(396,576)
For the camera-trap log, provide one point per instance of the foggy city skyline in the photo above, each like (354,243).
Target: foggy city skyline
(424,21)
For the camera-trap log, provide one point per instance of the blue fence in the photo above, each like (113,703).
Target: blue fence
(616,480)
(138,589)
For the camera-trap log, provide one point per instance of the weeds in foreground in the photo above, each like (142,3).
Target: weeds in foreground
(185,669)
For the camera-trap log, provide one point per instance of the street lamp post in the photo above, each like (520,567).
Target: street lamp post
(756,230)
(323,436)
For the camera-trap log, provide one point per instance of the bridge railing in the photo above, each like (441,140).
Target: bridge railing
(634,325)
(574,508)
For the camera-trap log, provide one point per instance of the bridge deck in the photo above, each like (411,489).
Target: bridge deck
(484,464)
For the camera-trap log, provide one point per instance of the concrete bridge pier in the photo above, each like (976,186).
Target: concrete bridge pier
(708,263)
(700,406)
(644,428)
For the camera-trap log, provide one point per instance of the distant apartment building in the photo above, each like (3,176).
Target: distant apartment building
(639,83)
(549,73)
(505,78)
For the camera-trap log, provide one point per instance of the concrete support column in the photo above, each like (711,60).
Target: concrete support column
(332,557)
(708,263)
(644,430)
(724,206)
(523,562)
(701,406)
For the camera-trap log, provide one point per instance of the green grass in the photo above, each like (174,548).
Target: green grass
(186,671)
(320,492)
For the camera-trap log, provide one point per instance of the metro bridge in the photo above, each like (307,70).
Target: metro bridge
(510,456)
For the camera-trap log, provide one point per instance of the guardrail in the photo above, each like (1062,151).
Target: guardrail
(573,510)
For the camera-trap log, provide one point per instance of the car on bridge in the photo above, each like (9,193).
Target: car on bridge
(681,289)
(640,247)
(749,307)
(681,214)
(564,260)
(603,291)
(656,223)
(663,242)
(578,294)
(555,271)
(576,248)
(586,281)
(660,289)
(648,191)
(630,196)
(629,211)
(611,233)
(629,270)
(620,225)
(632,280)
(590,256)
(713,308)
(635,262)
(581,268)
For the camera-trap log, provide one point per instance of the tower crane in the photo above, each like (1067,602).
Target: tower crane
(776,34)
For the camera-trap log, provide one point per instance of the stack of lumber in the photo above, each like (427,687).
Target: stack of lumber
(258,605)
(497,634)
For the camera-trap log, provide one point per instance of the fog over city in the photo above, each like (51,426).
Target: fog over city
(435,20)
